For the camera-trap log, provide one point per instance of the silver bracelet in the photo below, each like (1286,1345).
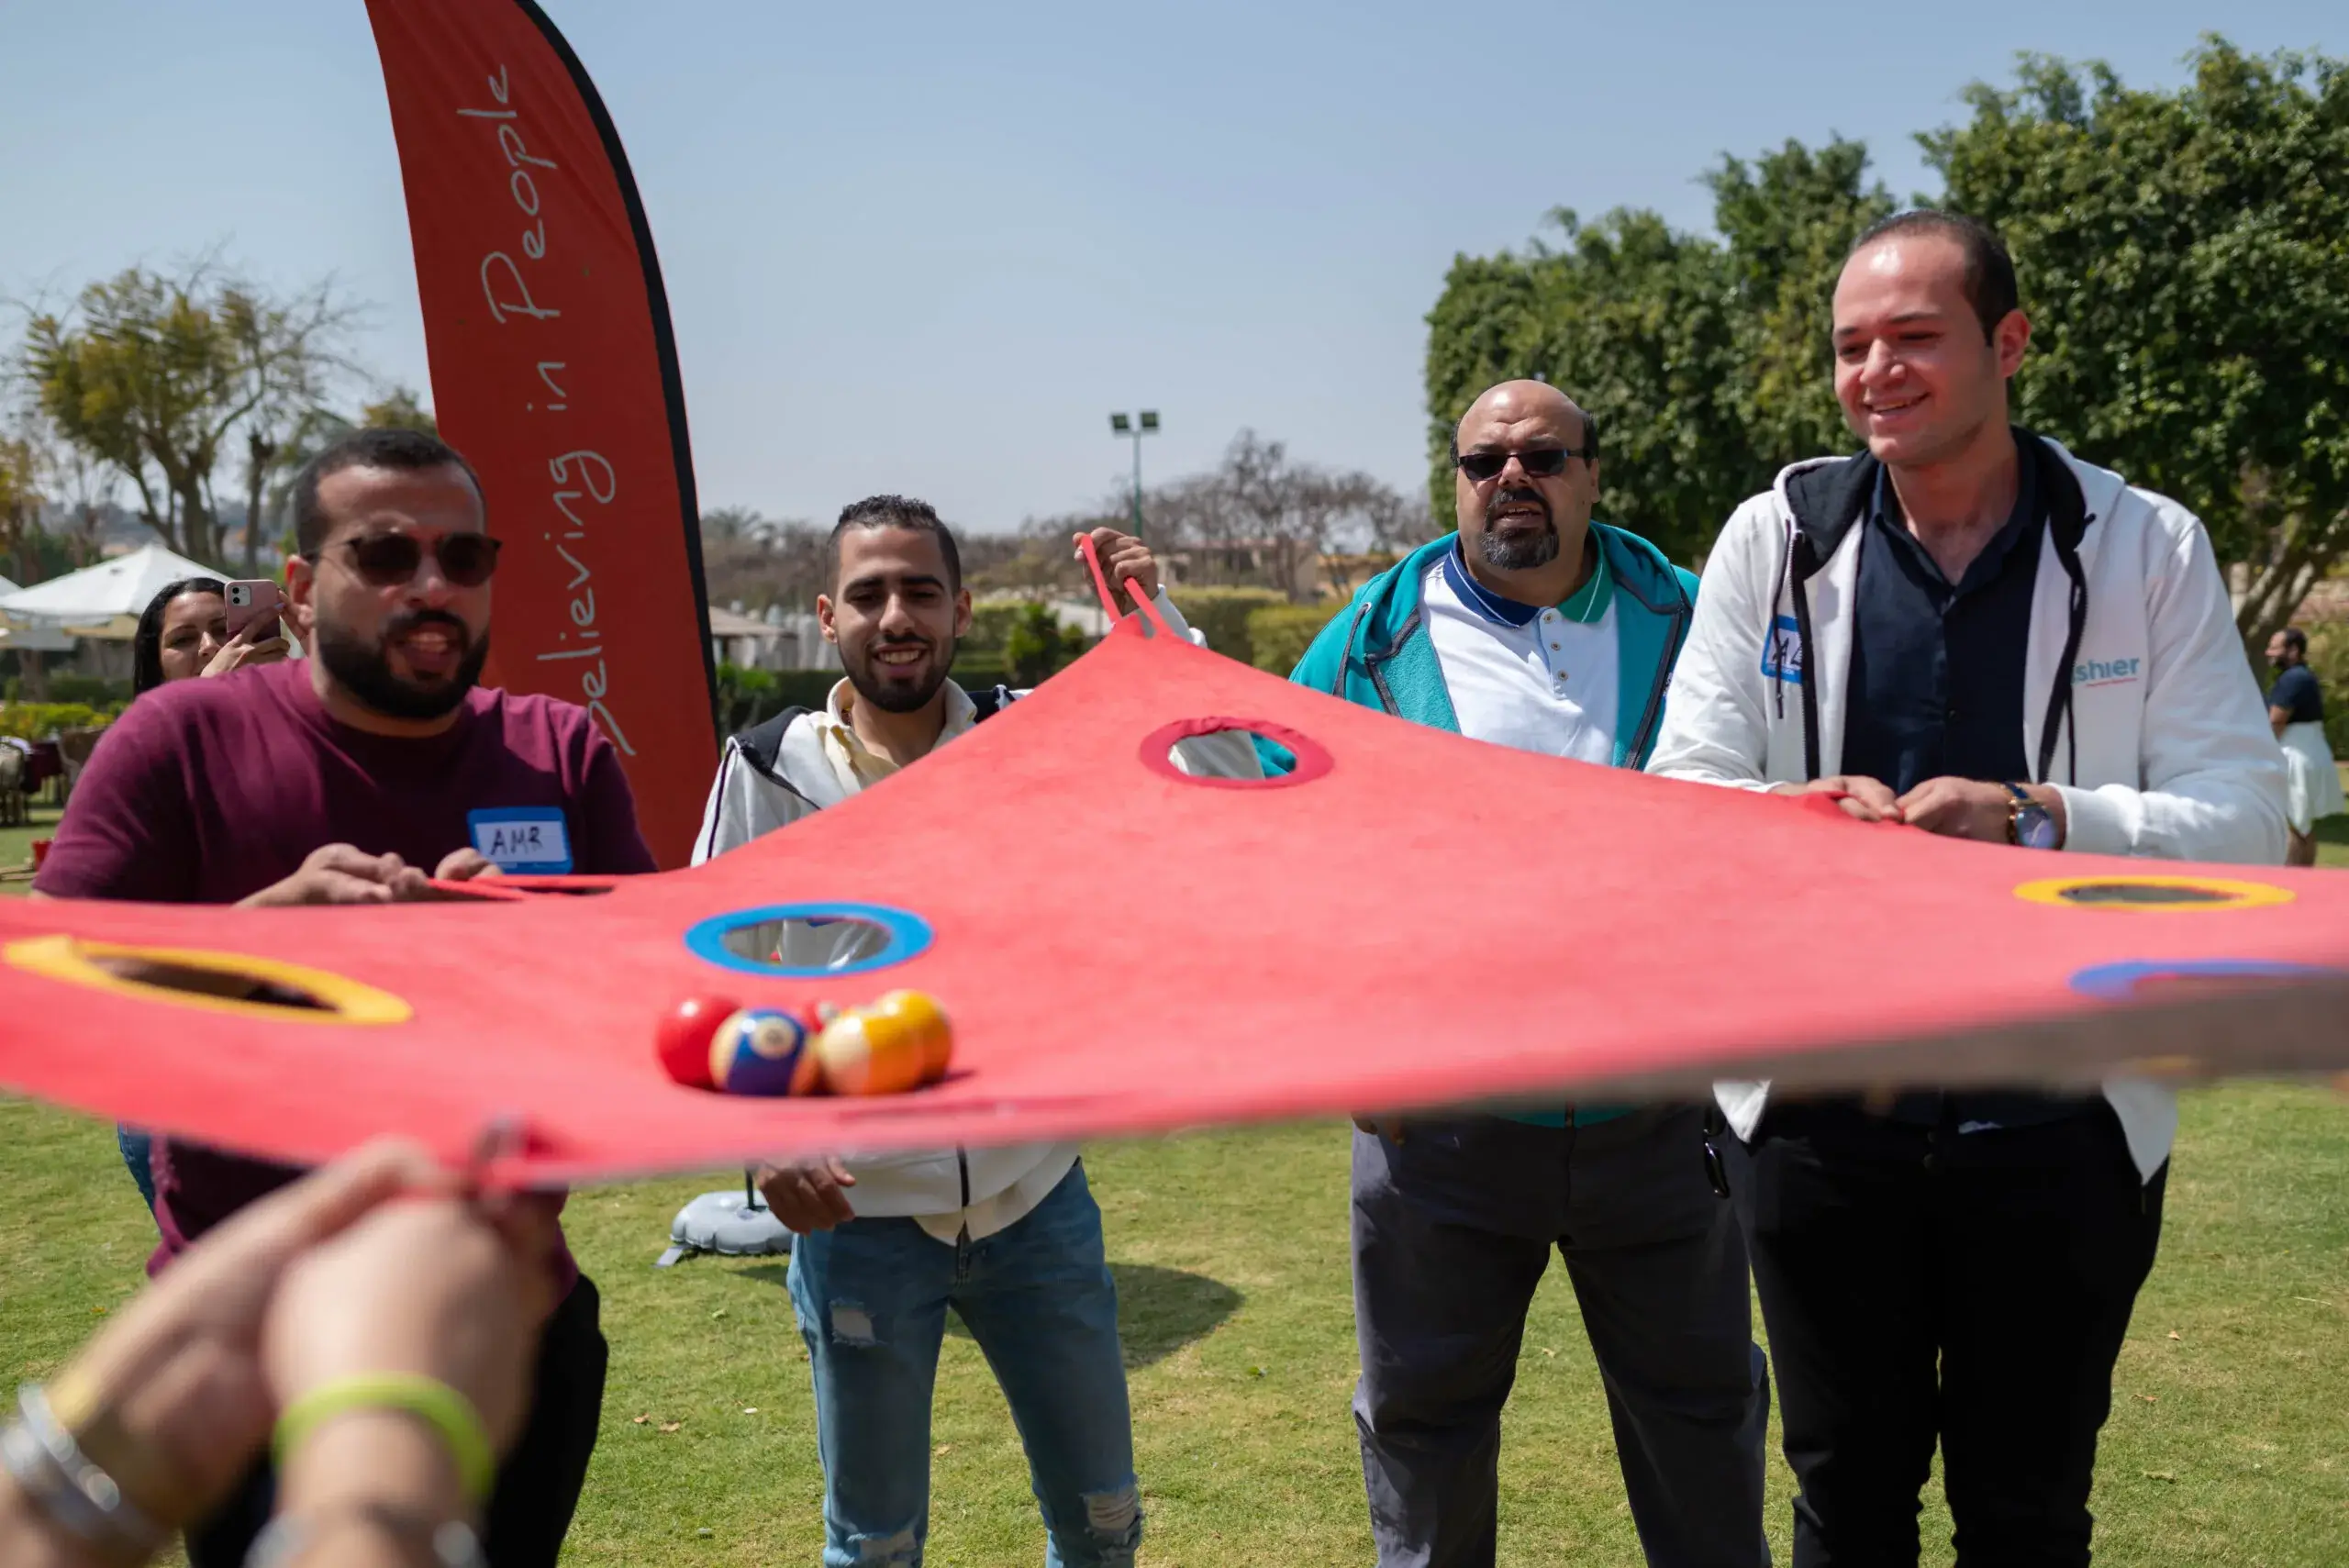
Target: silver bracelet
(75,1494)
(453,1543)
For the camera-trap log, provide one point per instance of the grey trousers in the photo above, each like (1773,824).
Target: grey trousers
(1452,1228)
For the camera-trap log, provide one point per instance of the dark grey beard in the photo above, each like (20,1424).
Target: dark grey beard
(1520,553)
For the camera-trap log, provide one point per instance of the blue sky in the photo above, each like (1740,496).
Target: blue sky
(931,252)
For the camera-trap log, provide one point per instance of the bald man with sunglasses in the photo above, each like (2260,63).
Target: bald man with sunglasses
(351,777)
(1537,628)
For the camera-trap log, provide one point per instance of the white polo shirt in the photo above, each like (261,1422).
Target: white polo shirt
(1534,677)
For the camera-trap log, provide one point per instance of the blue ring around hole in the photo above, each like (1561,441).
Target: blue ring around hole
(909,936)
(2115,981)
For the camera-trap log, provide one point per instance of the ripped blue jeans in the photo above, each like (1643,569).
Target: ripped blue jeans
(872,1298)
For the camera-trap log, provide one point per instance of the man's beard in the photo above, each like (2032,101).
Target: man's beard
(1524,552)
(864,676)
(364,670)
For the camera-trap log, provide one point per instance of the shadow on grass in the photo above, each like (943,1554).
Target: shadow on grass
(1159,1311)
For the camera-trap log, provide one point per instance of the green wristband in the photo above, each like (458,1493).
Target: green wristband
(429,1399)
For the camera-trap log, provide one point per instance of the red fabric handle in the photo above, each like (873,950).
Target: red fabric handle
(1108,596)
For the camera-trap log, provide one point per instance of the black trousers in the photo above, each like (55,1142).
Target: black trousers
(1919,1282)
(538,1485)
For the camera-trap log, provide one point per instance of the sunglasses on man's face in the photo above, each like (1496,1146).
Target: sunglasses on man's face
(1541,462)
(385,561)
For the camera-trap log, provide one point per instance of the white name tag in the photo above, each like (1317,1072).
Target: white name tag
(528,840)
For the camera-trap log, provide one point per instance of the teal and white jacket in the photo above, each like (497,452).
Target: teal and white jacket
(1377,652)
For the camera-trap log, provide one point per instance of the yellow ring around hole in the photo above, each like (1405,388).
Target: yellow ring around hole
(2238,895)
(75,963)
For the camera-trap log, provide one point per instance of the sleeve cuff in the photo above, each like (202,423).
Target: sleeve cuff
(2094,823)
(1175,621)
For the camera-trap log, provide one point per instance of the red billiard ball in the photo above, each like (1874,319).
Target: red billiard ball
(685,1037)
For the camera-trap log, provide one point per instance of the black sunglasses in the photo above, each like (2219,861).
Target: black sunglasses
(1543,463)
(385,561)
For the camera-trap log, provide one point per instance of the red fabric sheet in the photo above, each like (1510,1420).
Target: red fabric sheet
(1124,950)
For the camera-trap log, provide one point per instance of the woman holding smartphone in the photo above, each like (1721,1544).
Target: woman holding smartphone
(185,632)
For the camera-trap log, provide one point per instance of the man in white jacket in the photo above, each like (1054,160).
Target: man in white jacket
(1009,1238)
(1968,630)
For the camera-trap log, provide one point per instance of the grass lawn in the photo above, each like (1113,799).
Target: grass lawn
(2229,1442)
(16,843)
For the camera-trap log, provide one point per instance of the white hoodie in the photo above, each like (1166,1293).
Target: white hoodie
(2167,752)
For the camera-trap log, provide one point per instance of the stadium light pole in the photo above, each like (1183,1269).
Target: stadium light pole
(1142,424)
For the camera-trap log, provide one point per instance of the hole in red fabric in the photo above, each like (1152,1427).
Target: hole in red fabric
(214,983)
(1234,753)
(804,942)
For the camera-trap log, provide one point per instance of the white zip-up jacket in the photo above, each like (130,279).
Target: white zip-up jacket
(2139,704)
(769,778)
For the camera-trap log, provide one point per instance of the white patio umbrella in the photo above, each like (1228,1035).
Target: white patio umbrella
(104,600)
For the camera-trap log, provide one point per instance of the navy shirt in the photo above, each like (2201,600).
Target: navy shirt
(2296,693)
(1937,667)
(1937,692)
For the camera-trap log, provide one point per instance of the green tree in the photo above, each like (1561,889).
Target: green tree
(398,410)
(1483,329)
(1705,362)
(1636,323)
(155,376)
(1038,644)
(1789,218)
(21,506)
(319,427)
(2185,259)
(744,696)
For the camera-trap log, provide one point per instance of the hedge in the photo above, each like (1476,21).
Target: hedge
(1278,635)
(991,624)
(1221,615)
(39,720)
(67,688)
(746,696)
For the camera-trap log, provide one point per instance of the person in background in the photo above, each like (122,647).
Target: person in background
(2296,712)
(183,633)
(372,1315)
(340,780)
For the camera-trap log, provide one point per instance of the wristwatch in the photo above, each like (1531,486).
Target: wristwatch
(2029,825)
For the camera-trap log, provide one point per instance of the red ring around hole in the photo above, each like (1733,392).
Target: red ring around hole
(1313,759)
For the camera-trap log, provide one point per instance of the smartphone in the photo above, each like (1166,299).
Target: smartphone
(252,601)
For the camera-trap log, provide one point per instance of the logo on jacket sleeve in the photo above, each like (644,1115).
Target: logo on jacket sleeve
(1782,652)
(2106,671)
(526,840)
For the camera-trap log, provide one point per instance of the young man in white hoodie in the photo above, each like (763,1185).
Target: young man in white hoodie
(1009,1238)
(1968,630)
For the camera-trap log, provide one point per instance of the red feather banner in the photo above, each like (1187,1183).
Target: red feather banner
(555,372)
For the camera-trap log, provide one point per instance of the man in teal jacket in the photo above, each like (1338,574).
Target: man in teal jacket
(1536,628)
